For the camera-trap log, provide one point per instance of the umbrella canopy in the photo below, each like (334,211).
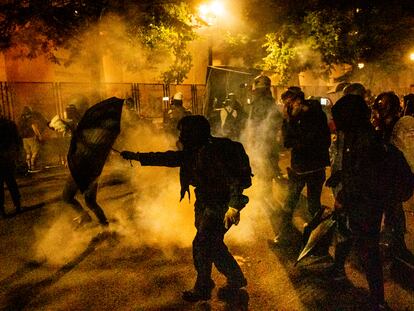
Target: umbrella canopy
(93,139)
(316,235)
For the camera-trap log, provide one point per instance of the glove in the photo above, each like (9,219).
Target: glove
(128,155)
(232,216)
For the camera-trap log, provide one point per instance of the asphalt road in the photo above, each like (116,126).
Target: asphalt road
(143,261)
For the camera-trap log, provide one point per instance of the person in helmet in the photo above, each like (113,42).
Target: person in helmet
(219,170)
(263,126)
(176,112)
(232,117)
(355,89)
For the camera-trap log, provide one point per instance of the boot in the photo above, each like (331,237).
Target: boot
(199,292)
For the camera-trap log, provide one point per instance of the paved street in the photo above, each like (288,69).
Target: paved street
(143,261)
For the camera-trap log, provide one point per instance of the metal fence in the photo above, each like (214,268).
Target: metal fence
(51,98)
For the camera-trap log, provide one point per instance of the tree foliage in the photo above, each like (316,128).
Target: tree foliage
(319,34)
(133,31)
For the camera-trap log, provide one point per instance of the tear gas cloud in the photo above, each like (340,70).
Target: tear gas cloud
(147,211)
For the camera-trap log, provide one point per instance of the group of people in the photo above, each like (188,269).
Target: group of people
(363,136)
(220,170)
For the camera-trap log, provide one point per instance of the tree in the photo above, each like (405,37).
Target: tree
(133,31)
(290,36)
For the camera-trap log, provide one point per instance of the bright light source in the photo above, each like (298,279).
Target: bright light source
(412,56)
(217,8)
(210,11)
(361,65)
(166,98)
(203,9)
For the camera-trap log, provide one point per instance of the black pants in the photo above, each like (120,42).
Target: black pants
(7,171)
(364,235)
(209,248)
(314,182)
(395,226)
(69,192)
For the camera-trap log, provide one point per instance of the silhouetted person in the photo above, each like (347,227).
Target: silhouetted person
(219,170)
(306,132)
(361,200)
(30,131)
(71,188)
(387,109)
(10,146)
(232,117)
(176,113)
(263,124)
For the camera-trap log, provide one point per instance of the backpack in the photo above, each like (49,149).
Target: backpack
(238,164)
(398,174)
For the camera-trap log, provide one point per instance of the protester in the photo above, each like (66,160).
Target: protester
(219,170)
(30,131)
(263,124)
(10,146)
(408,105)
(361,200)
(336,148)
(176,113)
(386,108)
(306,132)
(73,117)
(232,117)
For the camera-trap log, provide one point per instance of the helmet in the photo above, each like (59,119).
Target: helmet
(262,82)
(339,88)
(194,131)
(178,96)
(355,89)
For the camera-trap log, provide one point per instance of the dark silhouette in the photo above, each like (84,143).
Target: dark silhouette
(10,146)
(219,170)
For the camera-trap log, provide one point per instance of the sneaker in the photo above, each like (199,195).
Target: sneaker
(193,295)
(34,171)
(231,288)
(83,219)
(199,292)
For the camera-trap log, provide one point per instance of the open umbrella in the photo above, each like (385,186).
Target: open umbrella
(93,139)
(319,231)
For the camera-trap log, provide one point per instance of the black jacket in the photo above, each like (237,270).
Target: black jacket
(219,171)
(309,138)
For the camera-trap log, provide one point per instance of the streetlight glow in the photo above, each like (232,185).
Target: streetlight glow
(217,8)
(361,65)
(412,56)
(210,11)
(203,9)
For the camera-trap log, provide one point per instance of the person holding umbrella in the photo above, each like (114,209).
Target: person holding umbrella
(90,145)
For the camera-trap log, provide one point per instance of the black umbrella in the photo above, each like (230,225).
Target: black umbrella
(93,139)
(315,236)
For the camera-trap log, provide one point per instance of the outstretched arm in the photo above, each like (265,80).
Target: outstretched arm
(168,158)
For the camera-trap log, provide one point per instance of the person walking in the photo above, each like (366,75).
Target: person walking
(219,170)
(386,108)
(30,131)
(361,200)
(305,131)
(10,146)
